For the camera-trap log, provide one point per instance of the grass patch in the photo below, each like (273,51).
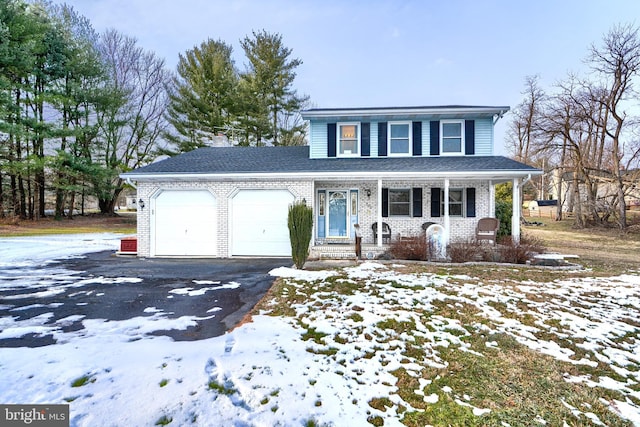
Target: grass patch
(516,384)
(164,420)
(314,335)
(381,403)
(356,317)
(221,388)
(396,325)
(83,380)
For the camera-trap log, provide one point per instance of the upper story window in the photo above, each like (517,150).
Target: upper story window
(399,139)
(348,139)
(452,137)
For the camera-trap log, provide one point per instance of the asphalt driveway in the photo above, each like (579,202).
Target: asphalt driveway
(217,293)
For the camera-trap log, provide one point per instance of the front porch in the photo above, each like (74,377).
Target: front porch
(397,209)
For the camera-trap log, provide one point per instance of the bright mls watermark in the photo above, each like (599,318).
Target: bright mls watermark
(34,415)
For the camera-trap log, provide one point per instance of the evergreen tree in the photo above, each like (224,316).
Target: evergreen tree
(270,76)
(204,96)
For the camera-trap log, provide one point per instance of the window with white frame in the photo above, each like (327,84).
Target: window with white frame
(456,202)
(399,202)
(348,139)
(452,137)
(399,138)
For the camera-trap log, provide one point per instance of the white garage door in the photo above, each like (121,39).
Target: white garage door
(258,221)
(185,224)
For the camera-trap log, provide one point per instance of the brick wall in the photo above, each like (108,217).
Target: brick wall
(461,228)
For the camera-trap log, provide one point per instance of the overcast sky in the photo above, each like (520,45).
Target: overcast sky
(379,53)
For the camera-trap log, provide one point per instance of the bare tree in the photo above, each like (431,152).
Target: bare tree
(584,127)
(523,128)
(524,134)
(132,120)
(616,62)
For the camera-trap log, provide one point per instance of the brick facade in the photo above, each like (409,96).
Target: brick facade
(461,228)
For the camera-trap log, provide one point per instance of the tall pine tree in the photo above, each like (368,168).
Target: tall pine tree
(270,76)
(203,100)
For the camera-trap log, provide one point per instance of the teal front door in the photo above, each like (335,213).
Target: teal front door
(337,214)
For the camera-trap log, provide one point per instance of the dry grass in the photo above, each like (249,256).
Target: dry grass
(598,247)
(94,223)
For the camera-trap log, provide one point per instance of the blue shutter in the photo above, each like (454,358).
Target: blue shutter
(435,202)
(385,202)
(365,139)
(331,139)
(471,202)
(417,202)
(469,137)
(417,139)
(435,138)
(382,138)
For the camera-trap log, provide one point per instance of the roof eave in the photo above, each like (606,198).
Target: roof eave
(404,111)
(333,175)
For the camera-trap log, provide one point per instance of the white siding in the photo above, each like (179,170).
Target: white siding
(374,139)
(426,138)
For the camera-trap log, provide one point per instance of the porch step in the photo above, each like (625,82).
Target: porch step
(344,252)
(337,255)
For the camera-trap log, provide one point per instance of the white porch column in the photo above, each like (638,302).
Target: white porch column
(515,219)
(379,214)
(447,222)
(492,199)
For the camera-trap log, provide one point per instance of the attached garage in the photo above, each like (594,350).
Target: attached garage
(258,223)
(184,223)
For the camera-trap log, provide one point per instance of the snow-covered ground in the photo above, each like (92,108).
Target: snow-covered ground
(265,373)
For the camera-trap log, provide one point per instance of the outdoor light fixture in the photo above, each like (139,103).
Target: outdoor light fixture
(368,192)
(141,204)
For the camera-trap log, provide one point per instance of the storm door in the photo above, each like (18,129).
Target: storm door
(337,214)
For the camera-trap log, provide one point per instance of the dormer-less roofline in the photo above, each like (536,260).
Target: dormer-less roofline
(447,111)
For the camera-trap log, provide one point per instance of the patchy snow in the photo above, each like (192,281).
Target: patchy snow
(265,373)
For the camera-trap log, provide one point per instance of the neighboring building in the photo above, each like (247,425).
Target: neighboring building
(363,166)
(606,193)
(542,208)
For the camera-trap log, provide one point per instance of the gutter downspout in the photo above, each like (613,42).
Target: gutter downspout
(499,116)
(128,181)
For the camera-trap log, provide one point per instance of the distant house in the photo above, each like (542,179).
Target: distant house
(397,167)
(562,186)
(544,208)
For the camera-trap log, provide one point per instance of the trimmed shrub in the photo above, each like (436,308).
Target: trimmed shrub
(300,221)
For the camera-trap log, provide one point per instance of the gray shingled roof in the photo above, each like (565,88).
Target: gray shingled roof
(278,160)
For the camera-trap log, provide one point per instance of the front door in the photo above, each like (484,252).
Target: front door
(338,214)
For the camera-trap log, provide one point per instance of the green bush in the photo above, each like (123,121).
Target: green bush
(504,212)
(300,222)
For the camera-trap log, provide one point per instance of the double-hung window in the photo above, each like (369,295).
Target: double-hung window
(399,139)
(452,137)
(348,139)
(456,202)
(399,202)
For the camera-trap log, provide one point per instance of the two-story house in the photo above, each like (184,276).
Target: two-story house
(403,167)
